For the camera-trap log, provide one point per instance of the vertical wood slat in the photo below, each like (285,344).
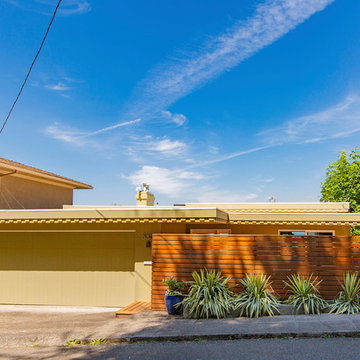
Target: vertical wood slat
(235,255)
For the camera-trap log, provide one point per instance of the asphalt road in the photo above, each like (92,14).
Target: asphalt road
(259,349)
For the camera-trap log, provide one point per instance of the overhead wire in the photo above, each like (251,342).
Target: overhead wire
(30,69)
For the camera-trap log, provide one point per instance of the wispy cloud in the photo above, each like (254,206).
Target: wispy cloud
(227,157)
(185,184)
(60,86)
(178,119)
(268,180)
(146,148)
(66,135)
(168,147)
(165,181)
(174,79)
(338,121)
(80,138)
(109,128)
(46,7)
(341,120)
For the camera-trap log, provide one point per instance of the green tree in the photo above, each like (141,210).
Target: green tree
(342,181)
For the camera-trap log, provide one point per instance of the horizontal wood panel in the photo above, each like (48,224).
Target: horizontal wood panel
(256,251)
(227,259)
(227,270)
(235,255)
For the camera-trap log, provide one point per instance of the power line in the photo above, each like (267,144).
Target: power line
(31,66)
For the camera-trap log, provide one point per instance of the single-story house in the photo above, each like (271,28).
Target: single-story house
(102,255)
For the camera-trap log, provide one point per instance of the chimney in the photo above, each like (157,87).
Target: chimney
(144,197)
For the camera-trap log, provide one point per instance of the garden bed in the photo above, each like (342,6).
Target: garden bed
(283,310)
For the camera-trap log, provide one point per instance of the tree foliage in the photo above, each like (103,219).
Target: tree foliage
(342,181)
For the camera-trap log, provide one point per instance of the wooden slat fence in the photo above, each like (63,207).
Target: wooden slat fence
(235,255)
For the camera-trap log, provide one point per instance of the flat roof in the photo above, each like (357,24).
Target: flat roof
(179,214)
(279,207)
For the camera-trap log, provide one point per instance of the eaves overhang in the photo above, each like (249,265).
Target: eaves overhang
(111,215)
(12,168)
(350,219)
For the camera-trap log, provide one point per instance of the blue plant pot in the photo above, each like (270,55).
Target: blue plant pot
(170,302)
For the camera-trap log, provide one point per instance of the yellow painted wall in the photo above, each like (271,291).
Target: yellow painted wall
(67,269)
(92,269)
(18,193)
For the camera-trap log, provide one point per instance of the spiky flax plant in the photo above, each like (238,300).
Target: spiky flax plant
(258,297)
(348,300)
(209,295)
(305,294)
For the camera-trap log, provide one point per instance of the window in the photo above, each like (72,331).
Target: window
(210,231)
(320,233)
(307,232)
(294,233)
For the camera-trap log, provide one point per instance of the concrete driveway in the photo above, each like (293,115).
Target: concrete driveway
(51,325)
(54,325)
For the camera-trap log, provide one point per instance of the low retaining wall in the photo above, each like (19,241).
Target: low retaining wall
(235,255)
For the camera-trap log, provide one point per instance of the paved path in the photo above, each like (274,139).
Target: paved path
(256,349)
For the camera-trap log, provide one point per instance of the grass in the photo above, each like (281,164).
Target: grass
(199,339)
(97,341)
(73,342)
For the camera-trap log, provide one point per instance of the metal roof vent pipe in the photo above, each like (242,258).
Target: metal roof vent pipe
(143,196)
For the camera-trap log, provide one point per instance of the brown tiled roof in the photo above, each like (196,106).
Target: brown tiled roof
(13,165)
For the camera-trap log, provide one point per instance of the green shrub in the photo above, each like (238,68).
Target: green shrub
(305,294)
(174,286)
(348,300)
(209,295)
(257,299)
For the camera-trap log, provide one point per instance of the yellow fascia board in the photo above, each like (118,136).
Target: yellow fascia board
(301,218)
(280,207)
(115,213)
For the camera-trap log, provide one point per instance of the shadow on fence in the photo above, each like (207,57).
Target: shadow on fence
(179,255)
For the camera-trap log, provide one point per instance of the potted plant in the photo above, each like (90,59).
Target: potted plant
(173,295)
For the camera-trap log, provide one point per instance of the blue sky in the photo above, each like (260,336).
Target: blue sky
(205,100)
